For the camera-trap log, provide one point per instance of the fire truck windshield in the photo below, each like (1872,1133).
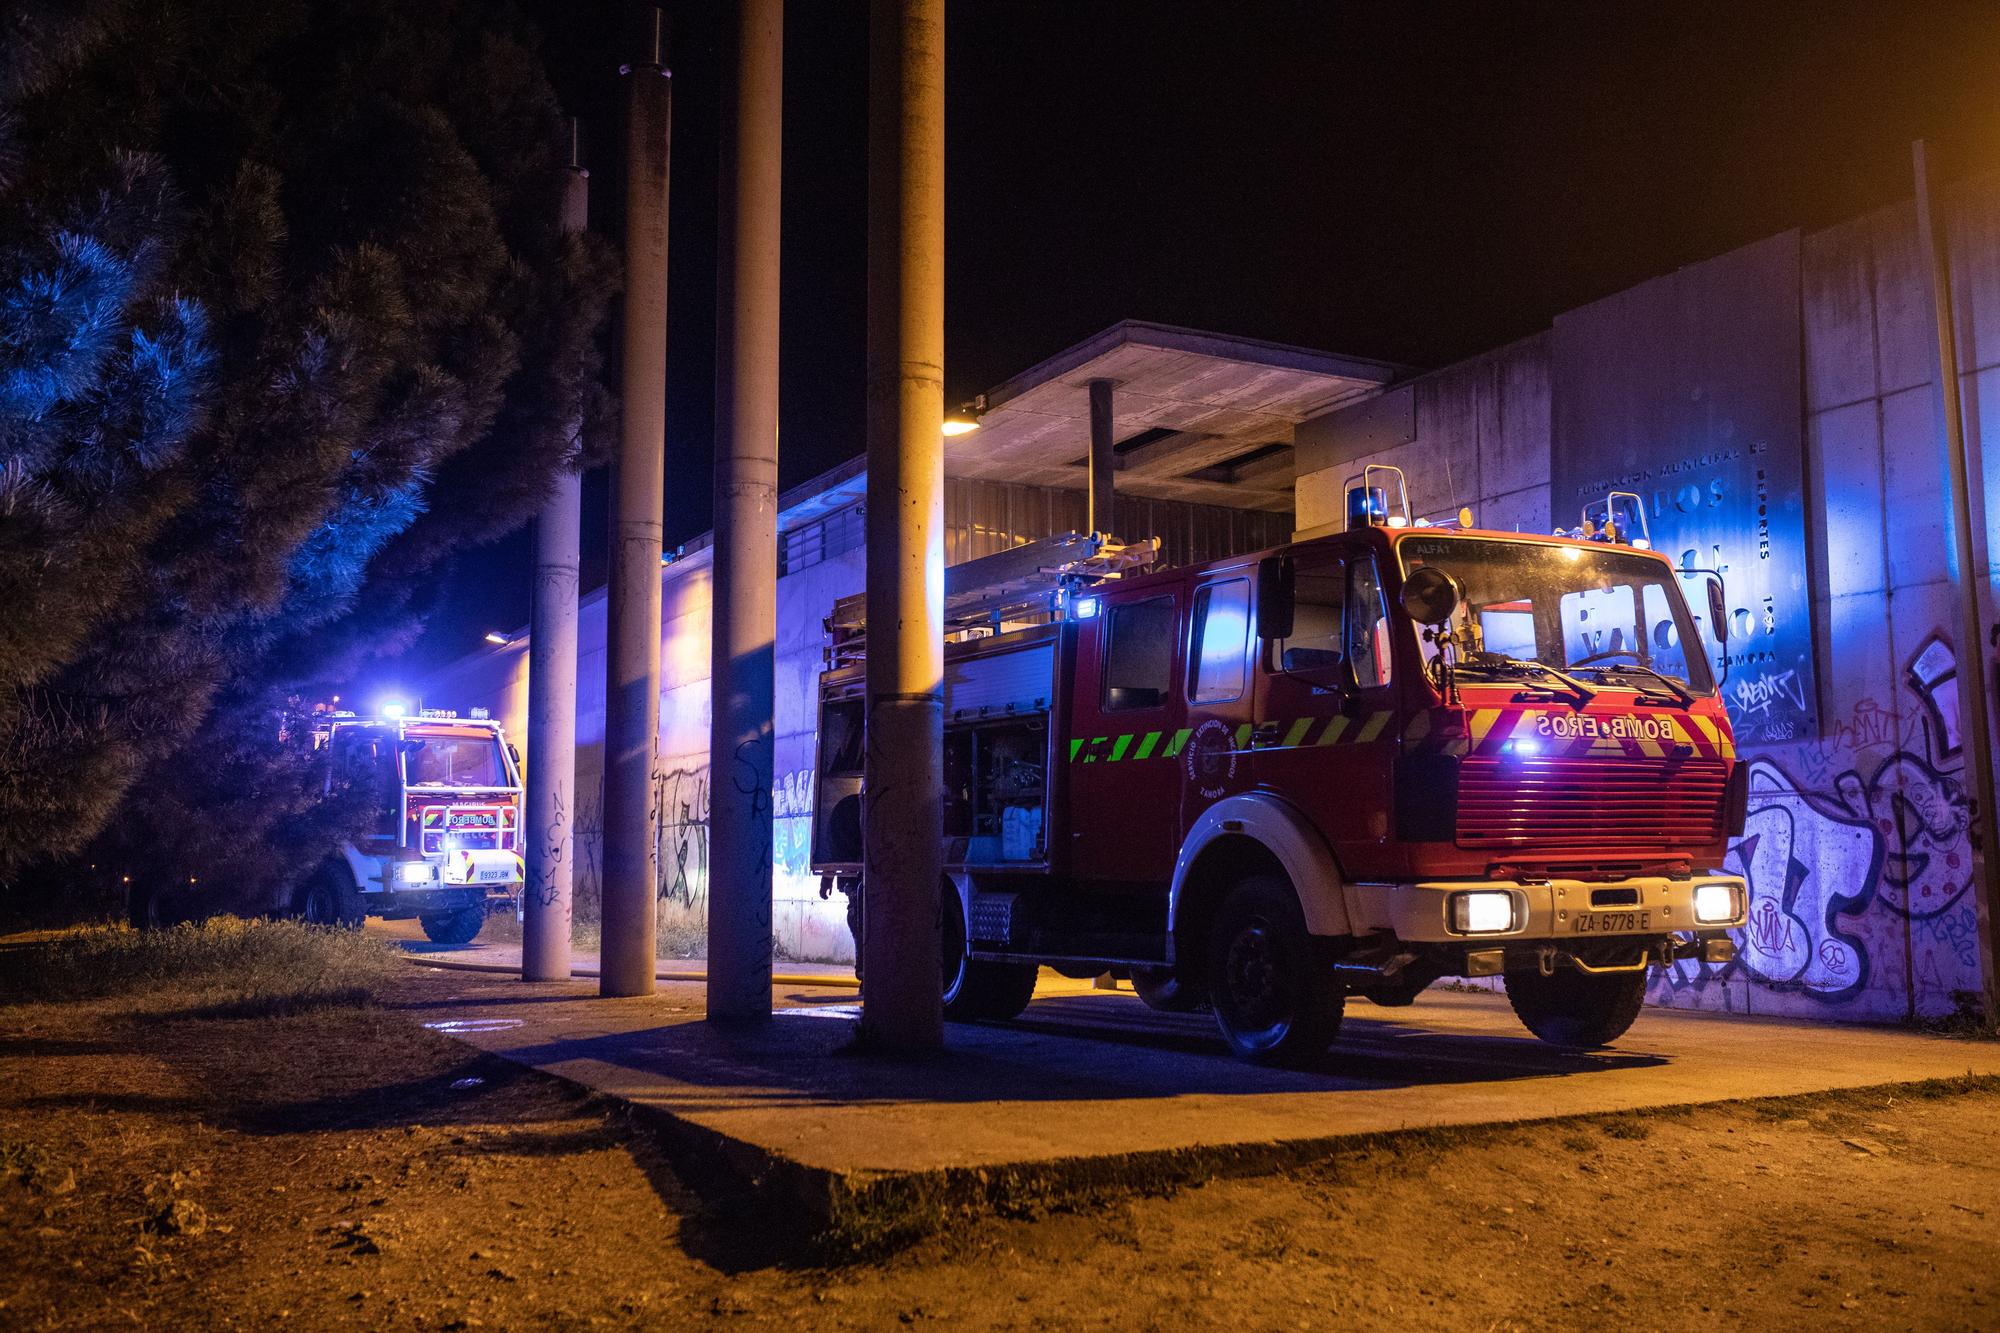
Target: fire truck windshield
(454,761)
(1609,614)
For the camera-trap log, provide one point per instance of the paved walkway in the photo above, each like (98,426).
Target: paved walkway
(1089,1089)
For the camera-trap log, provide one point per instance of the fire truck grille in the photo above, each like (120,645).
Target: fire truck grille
(1586,804)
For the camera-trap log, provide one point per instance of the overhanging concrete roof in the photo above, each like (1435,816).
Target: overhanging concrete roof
(1199,416)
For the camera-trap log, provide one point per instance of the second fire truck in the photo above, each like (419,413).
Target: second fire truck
(444,841)
(1350,766)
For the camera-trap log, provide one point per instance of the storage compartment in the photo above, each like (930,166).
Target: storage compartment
(996,791)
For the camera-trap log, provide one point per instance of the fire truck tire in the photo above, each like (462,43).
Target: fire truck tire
(1162,990)
(1577,1009)
(457,927)
(1270,984)
(328,899)
(976,988)
(989,990)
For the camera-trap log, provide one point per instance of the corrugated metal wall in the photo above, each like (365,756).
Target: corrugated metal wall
(981,517)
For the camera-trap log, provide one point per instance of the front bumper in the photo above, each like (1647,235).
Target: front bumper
(485,868)
(1564,912)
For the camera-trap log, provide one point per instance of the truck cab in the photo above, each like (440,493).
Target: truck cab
(1349,766)
(443,843)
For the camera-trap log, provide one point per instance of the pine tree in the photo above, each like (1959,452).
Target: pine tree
(287,323)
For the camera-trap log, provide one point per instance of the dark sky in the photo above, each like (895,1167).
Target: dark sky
(1416,182)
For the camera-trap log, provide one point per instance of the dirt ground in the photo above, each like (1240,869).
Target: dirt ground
(343,1168)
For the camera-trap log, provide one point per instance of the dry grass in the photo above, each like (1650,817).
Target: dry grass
(223,967)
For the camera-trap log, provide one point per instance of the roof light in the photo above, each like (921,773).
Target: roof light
(1086,608)
(394,708)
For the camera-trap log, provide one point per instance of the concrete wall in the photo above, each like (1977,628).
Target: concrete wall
(981,517)
(1856,845)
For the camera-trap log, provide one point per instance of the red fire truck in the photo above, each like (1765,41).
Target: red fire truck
(445,839)
(1353,765)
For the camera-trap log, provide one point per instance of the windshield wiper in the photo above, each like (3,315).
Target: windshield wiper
(1680,693)
(1582,693)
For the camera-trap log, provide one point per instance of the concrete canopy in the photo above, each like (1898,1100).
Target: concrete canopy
(1198,416)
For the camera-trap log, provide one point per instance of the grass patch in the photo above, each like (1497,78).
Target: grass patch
(225,967)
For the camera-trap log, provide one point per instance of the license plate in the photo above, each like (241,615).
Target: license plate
(1610,923)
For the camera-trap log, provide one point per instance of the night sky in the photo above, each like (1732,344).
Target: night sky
(1411,182)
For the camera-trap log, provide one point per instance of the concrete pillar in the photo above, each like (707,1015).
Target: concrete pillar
(903,815)
(1102,459)
(551,739)
(746,522)
(638,481)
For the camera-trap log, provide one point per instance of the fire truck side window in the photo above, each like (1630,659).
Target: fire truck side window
(1221,633)
(1320,593)
(1139,659)
(1367,624)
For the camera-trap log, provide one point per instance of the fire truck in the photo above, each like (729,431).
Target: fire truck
(1384,754)
(445,839)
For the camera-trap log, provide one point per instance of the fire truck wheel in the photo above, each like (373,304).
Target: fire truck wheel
(327,900)
(1162,990)
(975,988)
(989,990)
(1580,1009)
(457,927)
(1273,992)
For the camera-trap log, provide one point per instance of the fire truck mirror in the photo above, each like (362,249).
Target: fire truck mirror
(1276,596)
(1430,595)
(1718,611)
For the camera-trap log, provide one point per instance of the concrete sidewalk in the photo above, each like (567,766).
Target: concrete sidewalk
(1089,1091)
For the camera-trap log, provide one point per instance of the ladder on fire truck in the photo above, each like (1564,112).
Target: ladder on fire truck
(1034,583)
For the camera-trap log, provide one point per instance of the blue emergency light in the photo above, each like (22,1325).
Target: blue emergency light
(1367,506)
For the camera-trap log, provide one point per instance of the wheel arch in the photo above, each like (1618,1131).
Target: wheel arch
(1249,833)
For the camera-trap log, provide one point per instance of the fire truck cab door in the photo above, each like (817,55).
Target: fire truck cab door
(1221,694)
(1326,731)
(1123,718)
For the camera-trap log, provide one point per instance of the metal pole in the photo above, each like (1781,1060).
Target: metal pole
(1102,459)
(1971,635)
(638,481)
(545,921)
(746,522)
(903,786)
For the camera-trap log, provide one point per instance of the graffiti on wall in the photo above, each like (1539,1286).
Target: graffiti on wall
(680,804)
(1859,858)
(680,812)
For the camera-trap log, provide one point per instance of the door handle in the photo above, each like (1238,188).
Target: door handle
(1265,733)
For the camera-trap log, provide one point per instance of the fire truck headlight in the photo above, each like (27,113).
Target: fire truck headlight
(1714,903)
(413,872)
(1484,913)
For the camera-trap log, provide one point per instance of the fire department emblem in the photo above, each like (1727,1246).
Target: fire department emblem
(1211,758)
